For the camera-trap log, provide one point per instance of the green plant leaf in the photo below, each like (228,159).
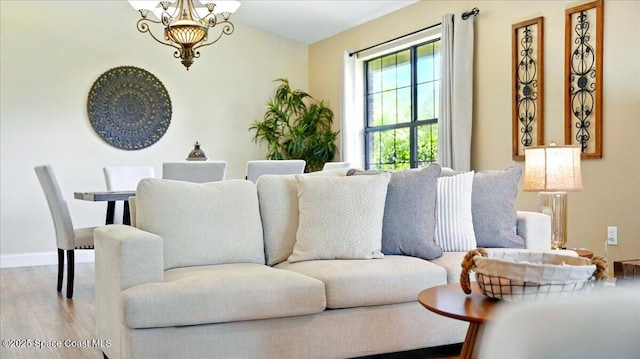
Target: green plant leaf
(296,126)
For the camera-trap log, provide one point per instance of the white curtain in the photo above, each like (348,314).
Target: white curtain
(352,122)
(456,92)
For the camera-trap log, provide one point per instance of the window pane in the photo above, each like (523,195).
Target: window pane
(404,68)
(389,107)
(427,144)
(389,72)
(426,63)
(374,76)
(390,149)
(426,101)
(374,109)
(404,105)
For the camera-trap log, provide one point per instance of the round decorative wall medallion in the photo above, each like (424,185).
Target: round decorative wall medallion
(129,108)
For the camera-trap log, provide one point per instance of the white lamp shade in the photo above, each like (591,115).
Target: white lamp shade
(202,12)
(144,4)
(157,12)
(552,169)
(225,7)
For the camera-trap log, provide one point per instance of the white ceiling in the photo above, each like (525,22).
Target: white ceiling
(308,21)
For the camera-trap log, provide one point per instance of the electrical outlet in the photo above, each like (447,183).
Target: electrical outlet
(612,236)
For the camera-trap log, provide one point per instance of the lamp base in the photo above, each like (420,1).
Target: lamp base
(554,204)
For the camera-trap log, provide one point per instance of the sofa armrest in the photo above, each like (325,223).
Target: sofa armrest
(535,228)
(128,255)
(125,257)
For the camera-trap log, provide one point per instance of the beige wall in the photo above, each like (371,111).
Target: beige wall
(53,51)
(611,195)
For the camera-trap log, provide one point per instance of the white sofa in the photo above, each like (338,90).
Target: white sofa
(207,272)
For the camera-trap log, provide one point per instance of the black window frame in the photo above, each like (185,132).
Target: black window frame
(413,124)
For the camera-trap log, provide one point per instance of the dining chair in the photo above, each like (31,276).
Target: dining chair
(333,165)
(199,172)
(258,168)
(124,178)
(68,238)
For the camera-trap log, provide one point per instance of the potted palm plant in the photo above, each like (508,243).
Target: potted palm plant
(296,126)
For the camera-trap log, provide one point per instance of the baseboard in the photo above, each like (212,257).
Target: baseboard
(41,258)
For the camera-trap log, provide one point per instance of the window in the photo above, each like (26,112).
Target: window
(401,107)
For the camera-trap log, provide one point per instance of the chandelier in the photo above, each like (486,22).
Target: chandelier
(186,27)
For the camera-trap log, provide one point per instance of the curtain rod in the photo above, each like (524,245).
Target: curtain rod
(465,15)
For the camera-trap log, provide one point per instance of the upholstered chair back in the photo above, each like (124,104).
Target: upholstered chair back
(257,168)
(125,178)
(57,206)
(334,165)
(198,172)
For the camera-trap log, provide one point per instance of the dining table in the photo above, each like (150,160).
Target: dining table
(111,197)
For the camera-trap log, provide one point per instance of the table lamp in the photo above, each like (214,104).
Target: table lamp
(553,171)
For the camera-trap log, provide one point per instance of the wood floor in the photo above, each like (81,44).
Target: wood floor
(32,312)
(31,309)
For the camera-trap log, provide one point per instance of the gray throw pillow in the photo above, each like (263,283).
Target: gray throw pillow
(409,221)
(493,207)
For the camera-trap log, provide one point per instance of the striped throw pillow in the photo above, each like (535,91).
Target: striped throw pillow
(454,221)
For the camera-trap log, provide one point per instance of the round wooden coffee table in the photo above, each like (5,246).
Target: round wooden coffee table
(449,300)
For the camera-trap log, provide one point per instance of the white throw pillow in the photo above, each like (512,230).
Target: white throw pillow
(340,217)
(454,221)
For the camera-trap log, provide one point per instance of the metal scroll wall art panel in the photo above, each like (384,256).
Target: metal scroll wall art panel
(528,86)
(583,78)
(129,108)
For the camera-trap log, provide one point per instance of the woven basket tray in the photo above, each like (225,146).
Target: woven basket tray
(514,276)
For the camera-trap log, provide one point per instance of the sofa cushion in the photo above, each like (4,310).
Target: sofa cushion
(410,212)
(278,196)
(279,210)
(221,293)
(340,217)
(451,262)
(358,283)
(454,222)
(493,207)
(201,224)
